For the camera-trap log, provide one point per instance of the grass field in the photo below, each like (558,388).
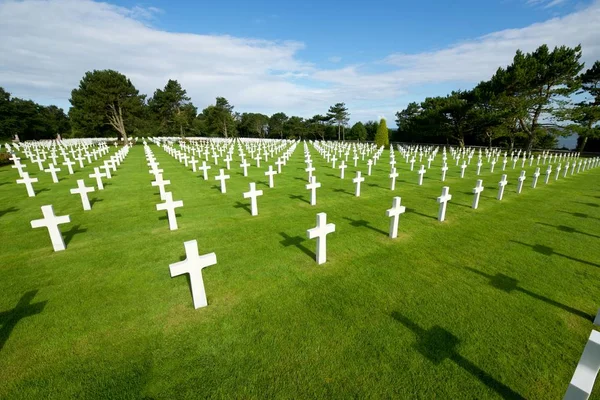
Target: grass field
(492,303)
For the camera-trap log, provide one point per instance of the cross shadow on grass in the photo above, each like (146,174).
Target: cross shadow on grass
(165,217)
(587,204)
(95,200)
(508,285)
(413,211)
(568,229)
(437,344)
(361,223)
(296,241)
(301,179)
(548,251)
(245,206)
(41,191)
(8,210)
(23,309)
(299,197)
(75,230)
(579,215)
(343,191)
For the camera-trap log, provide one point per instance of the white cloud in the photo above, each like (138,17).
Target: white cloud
(546,3)
(47,46)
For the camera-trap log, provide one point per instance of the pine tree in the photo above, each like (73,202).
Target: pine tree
(382,135)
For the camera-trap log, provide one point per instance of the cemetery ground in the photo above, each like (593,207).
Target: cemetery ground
(496,302)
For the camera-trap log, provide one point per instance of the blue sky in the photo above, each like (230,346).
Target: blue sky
(270,56)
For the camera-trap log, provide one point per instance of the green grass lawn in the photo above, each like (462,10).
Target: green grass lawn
(492,303)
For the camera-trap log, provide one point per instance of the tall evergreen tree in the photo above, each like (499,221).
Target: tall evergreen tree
(382,137)
(339,114)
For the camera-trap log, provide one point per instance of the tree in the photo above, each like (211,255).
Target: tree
(218,119)
(371,127)
(338,113)
(585,114)
(56,121)
(295,128)
(534,80)
(172,110)
(382,137)
(316,126)
(276,124)
(105,99)
(358,132)
(253,125)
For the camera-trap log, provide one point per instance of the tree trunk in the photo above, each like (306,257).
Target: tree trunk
(582,145)
(339,128)
(115,119)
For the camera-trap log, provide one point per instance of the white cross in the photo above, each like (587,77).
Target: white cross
(444,170)
(477,191)
(106,169)
(228,160)
(421,172)
(161,183)
(393,175)
(333,160)
(394,214)
(270,174)
(257,158)
(521,179)
(216,157)
(536,175)
(69,165)
(204,168)
(98,176)
(548,172)
(193,265)
(53,170)
(312,186)
(193,161)
(342,168)
(320,232)
(443,200)
(370,165)
(462,169)
(479,164)
(27,181)
(558,168)
(83,191)
(358,181)
(80,159)
(412,163)
(279,163)
(493,163)
(169,205)
(51,222)
(503,182)
(429,160)
(310,169)
(245,166)
(253,194)
(222,177)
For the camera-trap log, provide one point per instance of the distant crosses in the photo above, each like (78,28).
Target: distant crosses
(358,180)
(193,265)
(204,168)
(169,205)
(501,186)
(333,160)
(479,164)
(53,170)
(342,168)
(492,163)
(252,195)
(310,169)
(257,158)
(536,175)
(394,214)
(270,174)
(443,200)
(27,181)
(566,170)
(421,173)
(558,168)
(279,163)
(69,165)
(83,191)
(313,186)
(444,170)
(320,232)
(161,183)
(193,161)
(412,163)
(548,172)
(462,169)
(393,176)
(51,222)
(521,179)
(98,176)
(222,177)
(477,192)
(245,166)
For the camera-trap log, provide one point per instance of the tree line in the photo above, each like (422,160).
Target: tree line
(539,97)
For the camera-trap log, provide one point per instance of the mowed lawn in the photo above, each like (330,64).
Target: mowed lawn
(492,303)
